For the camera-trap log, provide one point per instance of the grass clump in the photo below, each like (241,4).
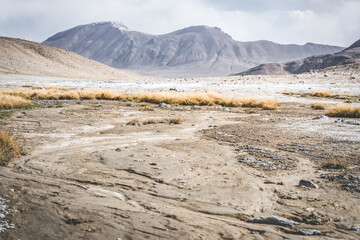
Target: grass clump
(12,102)
(8,148)
(318,106)
(4,115)
(289,93)
(321,94)
(150,121)
(335,164)
(208,99)
(175,121)
(328,94)
(146,108)
(133,122)
(344,110)
(136,122)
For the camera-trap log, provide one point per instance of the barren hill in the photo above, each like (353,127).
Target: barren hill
(350,55)
(25,57)
(192,51)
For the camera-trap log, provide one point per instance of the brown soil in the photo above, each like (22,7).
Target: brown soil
(87,174)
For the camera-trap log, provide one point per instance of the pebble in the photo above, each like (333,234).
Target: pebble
(307,184)
(320,118)
(274,220)
(355,228)
(164,105)
(308,232)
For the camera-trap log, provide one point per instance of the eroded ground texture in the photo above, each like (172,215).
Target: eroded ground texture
(220,174)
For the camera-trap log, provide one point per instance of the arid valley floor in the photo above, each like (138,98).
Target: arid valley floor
(98,169)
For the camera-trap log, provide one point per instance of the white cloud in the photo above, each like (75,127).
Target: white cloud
(322,21)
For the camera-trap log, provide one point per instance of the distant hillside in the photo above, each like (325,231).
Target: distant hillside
(193,51)
(348,56)
(25,57)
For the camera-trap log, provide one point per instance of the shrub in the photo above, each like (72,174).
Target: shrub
(318,106)
(133,122)
(321,94)
(11,102)
(8,148)
(209,99)
(289,93)
(175,121)
(346,111)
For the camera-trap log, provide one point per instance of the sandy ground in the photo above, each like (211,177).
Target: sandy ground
(87,174)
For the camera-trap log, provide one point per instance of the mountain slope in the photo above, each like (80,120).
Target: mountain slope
(193,51)
(349,55)
(25,57)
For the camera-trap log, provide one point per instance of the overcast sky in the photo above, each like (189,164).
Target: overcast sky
(335,22)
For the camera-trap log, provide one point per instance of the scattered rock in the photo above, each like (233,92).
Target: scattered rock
(307,184)
(222,108)
(255,162)
(164,105)
(349,182)
(194,107)
(309,232)
(239,111)
(313,219)
(4,225)
(320,118)
(341,120)
(355,228)
(274,220)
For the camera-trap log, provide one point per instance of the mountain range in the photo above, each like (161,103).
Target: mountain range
(349,55)
(192,51)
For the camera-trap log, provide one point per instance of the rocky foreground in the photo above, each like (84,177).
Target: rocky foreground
(111,170)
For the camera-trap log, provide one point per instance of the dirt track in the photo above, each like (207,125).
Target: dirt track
(89,175)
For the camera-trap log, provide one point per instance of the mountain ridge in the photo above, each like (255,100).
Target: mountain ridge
(350,55)
(192,51)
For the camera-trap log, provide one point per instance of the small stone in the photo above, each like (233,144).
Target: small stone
(307,184)
(274,220)
(355,228)
(320,118)
(164,105)
(308,232)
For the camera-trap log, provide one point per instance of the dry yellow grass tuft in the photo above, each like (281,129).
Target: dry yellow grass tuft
(207,99)
(8,148)
(175,121)
(321,94)
(146,107)
(344,110)
(289,93)
(11,102)
(136,122)
(329,94)
(318,106)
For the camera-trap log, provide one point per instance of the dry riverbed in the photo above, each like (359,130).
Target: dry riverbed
(218,174)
